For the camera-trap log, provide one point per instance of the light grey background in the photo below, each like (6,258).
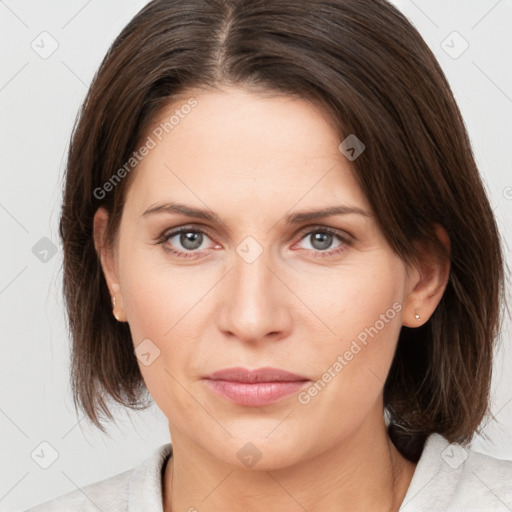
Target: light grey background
(39,98)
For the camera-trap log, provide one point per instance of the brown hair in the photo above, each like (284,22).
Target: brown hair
(368,67)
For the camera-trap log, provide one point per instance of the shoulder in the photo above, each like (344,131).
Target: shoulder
(453,477)
(109,494)
(139,486)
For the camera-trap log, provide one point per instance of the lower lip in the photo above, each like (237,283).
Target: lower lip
(255,394)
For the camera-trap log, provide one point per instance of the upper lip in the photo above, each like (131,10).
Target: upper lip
(265,374)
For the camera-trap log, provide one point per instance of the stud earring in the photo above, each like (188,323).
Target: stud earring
(113,301)
(417,316)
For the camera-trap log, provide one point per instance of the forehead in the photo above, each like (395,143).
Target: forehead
(240,145)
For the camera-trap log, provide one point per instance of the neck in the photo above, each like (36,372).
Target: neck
(363,472)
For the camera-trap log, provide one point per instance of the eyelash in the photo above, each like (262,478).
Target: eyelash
(345,241)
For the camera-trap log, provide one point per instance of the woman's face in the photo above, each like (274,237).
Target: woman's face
(251,283)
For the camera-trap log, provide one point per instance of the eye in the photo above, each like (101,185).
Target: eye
(184,242)
(321,239)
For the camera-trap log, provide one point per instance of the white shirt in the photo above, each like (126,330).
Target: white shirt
(447,478)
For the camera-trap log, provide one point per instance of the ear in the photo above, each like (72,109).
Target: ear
(426,282)
(108,264)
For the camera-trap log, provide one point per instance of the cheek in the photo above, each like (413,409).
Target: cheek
(362,309)
(347,300)
(156,293)
(157,303)
(164,305)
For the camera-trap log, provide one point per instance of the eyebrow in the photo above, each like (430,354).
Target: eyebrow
(325,212)
(183,209)
(292,218)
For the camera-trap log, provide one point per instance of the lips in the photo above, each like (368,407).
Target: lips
(259,375)
(255,388)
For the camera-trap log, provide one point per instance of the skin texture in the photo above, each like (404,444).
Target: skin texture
(254,159)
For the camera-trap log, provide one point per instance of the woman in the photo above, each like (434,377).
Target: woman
(273,224)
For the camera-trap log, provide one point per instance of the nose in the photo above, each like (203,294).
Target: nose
(256,303)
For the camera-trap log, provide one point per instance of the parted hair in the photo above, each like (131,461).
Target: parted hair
(374,76)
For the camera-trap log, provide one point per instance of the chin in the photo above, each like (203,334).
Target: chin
(257,451)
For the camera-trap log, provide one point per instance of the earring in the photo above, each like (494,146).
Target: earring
(417,316)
